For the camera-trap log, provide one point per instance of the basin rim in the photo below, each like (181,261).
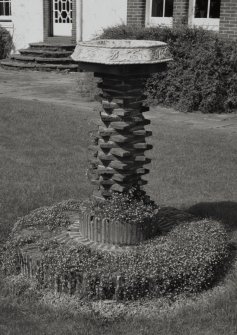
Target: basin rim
(118,44)
(121,52)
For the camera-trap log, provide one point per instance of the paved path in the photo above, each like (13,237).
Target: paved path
(62,88)
(221,122)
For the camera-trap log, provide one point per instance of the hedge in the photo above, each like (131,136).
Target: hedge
(6,43)
(189,258)
(203,73)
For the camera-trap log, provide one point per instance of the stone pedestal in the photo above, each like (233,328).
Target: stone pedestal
(123,65)
(120,154)
(119,161)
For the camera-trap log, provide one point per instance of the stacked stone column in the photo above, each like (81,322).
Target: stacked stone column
(119,157)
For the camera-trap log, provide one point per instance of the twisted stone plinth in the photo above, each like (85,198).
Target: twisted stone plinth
(120,155)
(119,159)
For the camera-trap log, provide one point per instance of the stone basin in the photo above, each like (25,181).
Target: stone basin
(121,52)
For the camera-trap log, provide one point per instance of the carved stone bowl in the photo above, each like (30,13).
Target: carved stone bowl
(122,52)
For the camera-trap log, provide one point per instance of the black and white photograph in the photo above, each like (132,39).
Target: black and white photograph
(118,167)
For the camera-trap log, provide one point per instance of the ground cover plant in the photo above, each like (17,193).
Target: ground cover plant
(203,73)
(6,43)
(189,165)
(133,207)
(189,258)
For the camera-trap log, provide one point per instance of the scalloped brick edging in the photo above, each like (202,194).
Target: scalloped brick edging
(102,230)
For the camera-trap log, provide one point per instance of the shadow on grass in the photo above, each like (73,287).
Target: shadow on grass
(224,211)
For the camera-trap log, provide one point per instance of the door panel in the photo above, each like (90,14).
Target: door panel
(62,17)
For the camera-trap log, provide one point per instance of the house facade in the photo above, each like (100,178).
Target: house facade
(32,21)
(216,15)
(75,20)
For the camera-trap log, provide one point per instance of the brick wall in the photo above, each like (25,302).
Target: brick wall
(47,18)
(180,13)
(136,12)
(74,18)
(228,19)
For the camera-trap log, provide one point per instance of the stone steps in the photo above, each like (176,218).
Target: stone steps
(43,57)
(45,53)
(37,59)
(40,67)
(53,46)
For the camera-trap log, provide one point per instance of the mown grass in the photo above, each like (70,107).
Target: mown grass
(43,156)
(17,318)
(212,313)
(43,159)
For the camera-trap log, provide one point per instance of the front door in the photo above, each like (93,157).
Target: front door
(62,17)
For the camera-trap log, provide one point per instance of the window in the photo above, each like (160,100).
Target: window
(159,12)
(207,9)
(5,9)
(205,14)
(162,8)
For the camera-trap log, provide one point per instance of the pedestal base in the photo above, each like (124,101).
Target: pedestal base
(106,231)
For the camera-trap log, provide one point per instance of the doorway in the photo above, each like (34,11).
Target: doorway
(62,18)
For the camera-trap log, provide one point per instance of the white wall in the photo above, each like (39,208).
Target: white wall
(98,14)
(27,17)
(92,17)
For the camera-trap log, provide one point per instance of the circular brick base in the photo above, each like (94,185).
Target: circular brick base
(102,230)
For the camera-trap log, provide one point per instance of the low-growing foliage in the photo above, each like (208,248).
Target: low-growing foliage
(191,257)
(6,43)
(20,285)
(51,217)
(32,229)
(132,207)
(188,259)
(203,73)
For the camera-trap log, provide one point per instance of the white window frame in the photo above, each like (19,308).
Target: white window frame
(152,21)
(6,18)
(205,23)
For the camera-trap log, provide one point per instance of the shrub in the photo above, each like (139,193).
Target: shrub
(188,259)
(21,286)
(51,217)
(6,43)
(192,257)
(203,73)
(30,229)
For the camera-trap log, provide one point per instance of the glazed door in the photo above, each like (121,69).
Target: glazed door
(62,17)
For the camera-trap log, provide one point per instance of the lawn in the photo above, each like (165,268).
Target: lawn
(43,156)
(43,159)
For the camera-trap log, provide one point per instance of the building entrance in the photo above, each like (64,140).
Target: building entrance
(62,17)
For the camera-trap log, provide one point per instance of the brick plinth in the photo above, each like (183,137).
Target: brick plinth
(119,157)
